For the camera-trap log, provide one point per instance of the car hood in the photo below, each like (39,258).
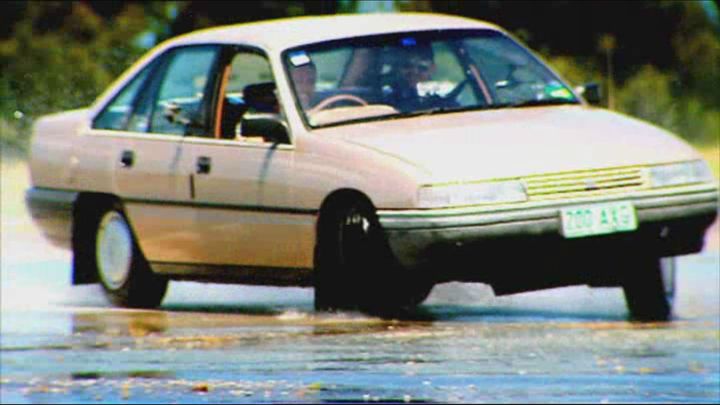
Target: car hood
(510,143)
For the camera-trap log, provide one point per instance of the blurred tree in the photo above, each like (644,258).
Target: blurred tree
(607,45)
(12,12)
(414,5)
(574,70)
(61,55)
(697,46)
(666,58)
(202,14)
(384,6)
(647,94)
(642,28)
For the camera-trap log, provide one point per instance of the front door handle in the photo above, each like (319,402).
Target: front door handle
(127,159)
(204,164)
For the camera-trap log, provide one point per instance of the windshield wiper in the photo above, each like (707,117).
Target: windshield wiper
(535,103)
(439,110)
(520,104)
(427,111)
(442,110)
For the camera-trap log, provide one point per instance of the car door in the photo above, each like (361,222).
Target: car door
(149,174)
(243,212)
(99,156)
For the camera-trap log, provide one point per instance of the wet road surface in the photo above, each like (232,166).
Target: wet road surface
(212,343)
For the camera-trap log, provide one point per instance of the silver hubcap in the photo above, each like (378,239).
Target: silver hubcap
(114,250)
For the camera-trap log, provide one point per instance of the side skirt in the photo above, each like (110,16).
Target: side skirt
(231,274)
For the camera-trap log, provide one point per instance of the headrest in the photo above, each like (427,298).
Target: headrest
(261,96)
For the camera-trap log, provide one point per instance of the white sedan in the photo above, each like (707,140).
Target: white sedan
(369,156)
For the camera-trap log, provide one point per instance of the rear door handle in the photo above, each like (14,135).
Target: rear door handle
(127,159)
(204,165)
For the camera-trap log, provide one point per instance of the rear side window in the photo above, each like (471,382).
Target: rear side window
(115,115)
(248,68)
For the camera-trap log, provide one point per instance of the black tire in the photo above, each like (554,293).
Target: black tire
(355,268)
(135,285)
(648,296)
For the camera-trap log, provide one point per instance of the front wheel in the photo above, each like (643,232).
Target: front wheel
(124,273)
(355,268)
(649,289)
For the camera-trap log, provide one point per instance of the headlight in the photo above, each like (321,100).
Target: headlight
(471,194)
(680,173)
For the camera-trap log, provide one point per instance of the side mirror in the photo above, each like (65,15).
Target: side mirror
(590,92)
(174,113)
(269,126)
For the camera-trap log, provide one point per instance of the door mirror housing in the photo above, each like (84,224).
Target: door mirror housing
(271,127)
(590,92)
(174,113)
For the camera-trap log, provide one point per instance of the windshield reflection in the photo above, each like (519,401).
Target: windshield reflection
(410,74)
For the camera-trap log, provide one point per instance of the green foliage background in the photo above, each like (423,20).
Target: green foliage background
(56,56)
(53,67)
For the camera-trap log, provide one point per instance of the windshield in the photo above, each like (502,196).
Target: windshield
(408,74)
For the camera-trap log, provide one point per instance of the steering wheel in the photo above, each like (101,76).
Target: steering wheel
(455,92)
(336,98)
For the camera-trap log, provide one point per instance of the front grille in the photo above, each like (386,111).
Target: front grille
(585,183)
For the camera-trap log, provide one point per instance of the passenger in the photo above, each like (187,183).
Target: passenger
(413,65)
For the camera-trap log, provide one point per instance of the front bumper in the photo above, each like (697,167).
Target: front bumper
(52,212)
(670,222)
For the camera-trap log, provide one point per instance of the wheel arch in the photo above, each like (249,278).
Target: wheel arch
(399,289)
(336,199)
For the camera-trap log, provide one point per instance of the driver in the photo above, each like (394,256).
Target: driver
(304,77)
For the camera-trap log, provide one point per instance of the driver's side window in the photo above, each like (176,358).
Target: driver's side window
(180,106)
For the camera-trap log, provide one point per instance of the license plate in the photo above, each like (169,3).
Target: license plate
(598,219)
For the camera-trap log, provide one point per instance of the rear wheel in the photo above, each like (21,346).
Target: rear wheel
(649,289)
(355,268)
(123,272)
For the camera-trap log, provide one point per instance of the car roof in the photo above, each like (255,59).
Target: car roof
(277,35)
